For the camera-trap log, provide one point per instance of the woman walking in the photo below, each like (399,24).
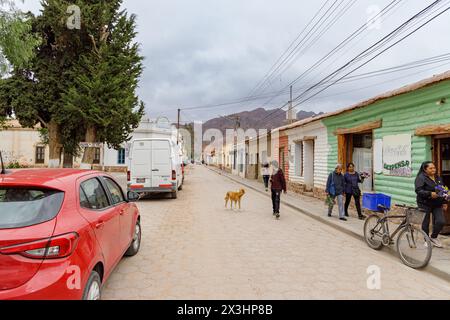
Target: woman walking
(352,190)
(265,172)
(278,184)
(431,199)
(335,191)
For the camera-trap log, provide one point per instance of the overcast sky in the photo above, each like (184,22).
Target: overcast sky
(206,52)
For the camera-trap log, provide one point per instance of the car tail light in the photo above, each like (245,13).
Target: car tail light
(174,175)
(51,248)
(128,175)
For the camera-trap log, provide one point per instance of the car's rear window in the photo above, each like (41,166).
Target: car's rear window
(24,207)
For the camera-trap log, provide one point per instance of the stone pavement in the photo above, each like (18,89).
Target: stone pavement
(194,248)
(315,208)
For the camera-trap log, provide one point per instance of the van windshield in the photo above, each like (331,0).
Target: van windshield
(24,207)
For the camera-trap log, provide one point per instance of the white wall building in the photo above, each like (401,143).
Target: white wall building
(24,145)
(308,156)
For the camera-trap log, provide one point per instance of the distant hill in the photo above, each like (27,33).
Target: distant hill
(258,119)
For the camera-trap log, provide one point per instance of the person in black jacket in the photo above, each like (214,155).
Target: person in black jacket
(429,200)
(278,185)
(336,191)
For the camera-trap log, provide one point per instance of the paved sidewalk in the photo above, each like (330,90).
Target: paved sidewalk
(316,209)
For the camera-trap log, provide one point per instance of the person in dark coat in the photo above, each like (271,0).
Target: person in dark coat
(336,191)
(430,200)
(278,185)
(352,190)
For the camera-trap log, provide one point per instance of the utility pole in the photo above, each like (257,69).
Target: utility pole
(291,117)
(178,127)
(290,100)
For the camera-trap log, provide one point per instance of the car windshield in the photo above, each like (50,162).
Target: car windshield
(24,207)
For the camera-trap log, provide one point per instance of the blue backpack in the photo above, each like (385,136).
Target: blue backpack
(332,189)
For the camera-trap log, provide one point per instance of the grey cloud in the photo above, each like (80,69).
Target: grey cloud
(207,52)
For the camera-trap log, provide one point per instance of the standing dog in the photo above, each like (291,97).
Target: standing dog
(234,197)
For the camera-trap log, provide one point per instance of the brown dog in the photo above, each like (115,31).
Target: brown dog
(234,197)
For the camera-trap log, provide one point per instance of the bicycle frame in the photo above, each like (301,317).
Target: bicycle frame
(411,238)
(384,223)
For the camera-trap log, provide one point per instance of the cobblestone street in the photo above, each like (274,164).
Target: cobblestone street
(193,248)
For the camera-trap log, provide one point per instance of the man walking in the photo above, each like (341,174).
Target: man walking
(278,185)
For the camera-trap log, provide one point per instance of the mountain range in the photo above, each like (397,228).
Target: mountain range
(259,118)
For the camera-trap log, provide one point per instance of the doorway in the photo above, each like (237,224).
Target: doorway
(308,157)
(442,159)
(358,148)
(282,158)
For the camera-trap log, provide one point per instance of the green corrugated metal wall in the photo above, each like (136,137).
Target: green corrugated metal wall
(400,114)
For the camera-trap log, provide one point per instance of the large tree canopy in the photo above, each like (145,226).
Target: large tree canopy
(81,84)
(17,43)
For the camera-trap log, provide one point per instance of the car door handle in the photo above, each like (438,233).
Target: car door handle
(155,170)
(123,212)
(99,225)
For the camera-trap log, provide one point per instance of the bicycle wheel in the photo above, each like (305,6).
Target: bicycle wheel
(414,247)
(373,233)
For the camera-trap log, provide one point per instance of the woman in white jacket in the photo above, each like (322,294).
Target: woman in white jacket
(265,172)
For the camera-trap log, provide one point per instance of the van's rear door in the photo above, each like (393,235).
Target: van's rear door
(141,164)
(161,164)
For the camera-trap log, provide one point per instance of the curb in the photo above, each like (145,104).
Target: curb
(433,270)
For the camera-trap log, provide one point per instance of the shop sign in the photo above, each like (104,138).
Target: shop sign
(397,155)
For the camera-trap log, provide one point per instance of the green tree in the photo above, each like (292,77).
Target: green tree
(17,42)
(103,95)
(80,86)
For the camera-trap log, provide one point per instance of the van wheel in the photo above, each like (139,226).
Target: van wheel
(93,289)
(180,188)
(136,243)
(174,194)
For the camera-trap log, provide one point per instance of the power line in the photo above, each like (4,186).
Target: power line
(271,96)
(300,46)
(315,40)
(380,83)
(342,44)
(358,77)
(377,55)
(362,53)
(287,50)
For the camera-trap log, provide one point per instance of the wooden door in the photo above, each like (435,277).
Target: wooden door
(282,159)
(345,149)
(442,159)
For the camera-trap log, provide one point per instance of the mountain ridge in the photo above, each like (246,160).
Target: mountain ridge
(259,118)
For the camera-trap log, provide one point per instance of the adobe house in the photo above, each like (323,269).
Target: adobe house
(391,135)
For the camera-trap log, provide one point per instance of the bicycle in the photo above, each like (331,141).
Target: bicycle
(413,245)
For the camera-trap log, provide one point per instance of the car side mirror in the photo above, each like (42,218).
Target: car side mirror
(133,196)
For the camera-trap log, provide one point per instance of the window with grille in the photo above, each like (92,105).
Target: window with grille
(97,156)
(121,156)
(40,155)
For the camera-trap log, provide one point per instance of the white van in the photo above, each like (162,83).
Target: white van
(155,167)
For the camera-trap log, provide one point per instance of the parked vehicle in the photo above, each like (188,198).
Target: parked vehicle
(155,167)
(62,232)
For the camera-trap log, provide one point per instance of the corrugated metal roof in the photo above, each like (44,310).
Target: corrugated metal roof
(405,89)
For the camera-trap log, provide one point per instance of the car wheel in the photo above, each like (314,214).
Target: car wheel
(93,289)
(136,243)
(180,188)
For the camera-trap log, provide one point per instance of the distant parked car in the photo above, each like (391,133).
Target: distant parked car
(62,232)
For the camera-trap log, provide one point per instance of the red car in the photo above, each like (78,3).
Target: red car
(62,232)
